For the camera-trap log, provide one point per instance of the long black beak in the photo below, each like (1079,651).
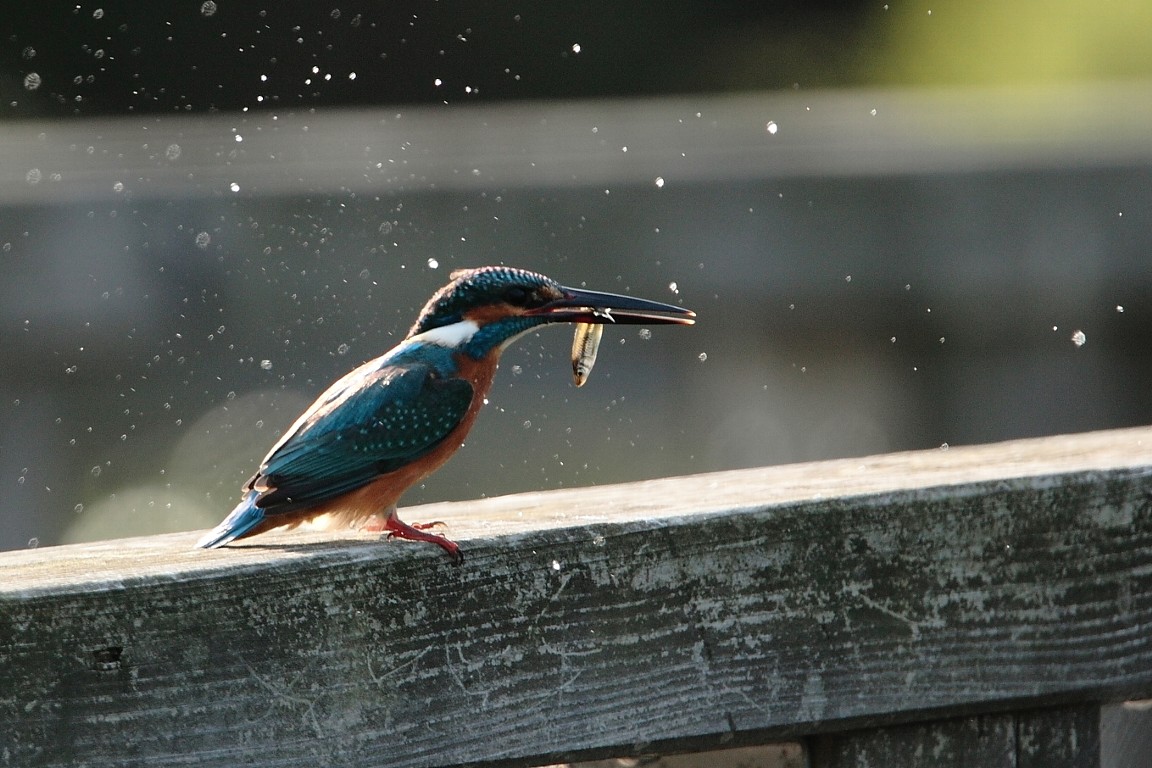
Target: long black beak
(580,306)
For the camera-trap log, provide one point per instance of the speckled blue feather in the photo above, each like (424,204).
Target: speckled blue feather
(383,415)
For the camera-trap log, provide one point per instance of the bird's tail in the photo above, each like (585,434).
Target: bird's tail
(240,521)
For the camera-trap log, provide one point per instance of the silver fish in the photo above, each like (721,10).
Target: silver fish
(585,344)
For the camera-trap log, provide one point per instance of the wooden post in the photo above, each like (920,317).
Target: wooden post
(967,589)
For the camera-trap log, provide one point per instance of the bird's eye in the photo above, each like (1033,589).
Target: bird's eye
(517,295)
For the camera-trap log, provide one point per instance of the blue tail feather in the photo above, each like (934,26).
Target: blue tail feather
(242,519)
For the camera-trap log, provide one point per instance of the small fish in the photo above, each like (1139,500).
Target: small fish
(585,343)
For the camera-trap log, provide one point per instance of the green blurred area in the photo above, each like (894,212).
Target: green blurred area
(1027,42)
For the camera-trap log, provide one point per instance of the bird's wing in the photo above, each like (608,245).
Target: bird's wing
(382,420)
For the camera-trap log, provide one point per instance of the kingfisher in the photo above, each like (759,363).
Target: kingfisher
(395,420)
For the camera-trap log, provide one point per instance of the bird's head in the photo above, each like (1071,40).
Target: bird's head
(486,308)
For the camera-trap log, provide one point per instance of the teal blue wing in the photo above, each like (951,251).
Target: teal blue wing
(370,423)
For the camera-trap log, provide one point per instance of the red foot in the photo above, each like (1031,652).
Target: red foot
(398,529)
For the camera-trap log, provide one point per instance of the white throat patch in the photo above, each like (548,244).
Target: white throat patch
(451,336)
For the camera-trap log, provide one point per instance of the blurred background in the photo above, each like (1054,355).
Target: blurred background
(902,225)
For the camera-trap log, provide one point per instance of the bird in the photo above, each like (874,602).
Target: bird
(396,419)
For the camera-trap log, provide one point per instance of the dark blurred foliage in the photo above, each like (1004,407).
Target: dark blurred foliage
(119,58)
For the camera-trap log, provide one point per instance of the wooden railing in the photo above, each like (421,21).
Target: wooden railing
(968,606)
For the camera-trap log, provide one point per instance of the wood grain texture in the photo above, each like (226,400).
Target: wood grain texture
(687,613)
(1066,737)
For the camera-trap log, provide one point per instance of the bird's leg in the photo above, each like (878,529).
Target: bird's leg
(398,529)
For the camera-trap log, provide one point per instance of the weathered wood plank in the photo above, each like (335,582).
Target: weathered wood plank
(1064,737)
(696,612)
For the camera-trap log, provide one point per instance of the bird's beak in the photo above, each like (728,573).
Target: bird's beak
(580,306)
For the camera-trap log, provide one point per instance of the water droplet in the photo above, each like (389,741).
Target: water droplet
(847,278)
(260,424)
(32,81)
(703,356)
(28,53)
(207,8)
(266,364)
(342,349)
(1119,308)
(771,127)
(517,370)
(365,274)
(527,424)
(673,287)
(433,264)
(234,187)
(576,48)
(943,446)
(385,227)
(203,239)
(98,13)
(1079,338)
(96,471)
(230,395)
(645,333)
(172,152)
(660,182)
(33,543)
(33,176)
(78,508)
(118,186)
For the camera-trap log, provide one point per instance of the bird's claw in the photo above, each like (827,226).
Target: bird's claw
(398,529)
